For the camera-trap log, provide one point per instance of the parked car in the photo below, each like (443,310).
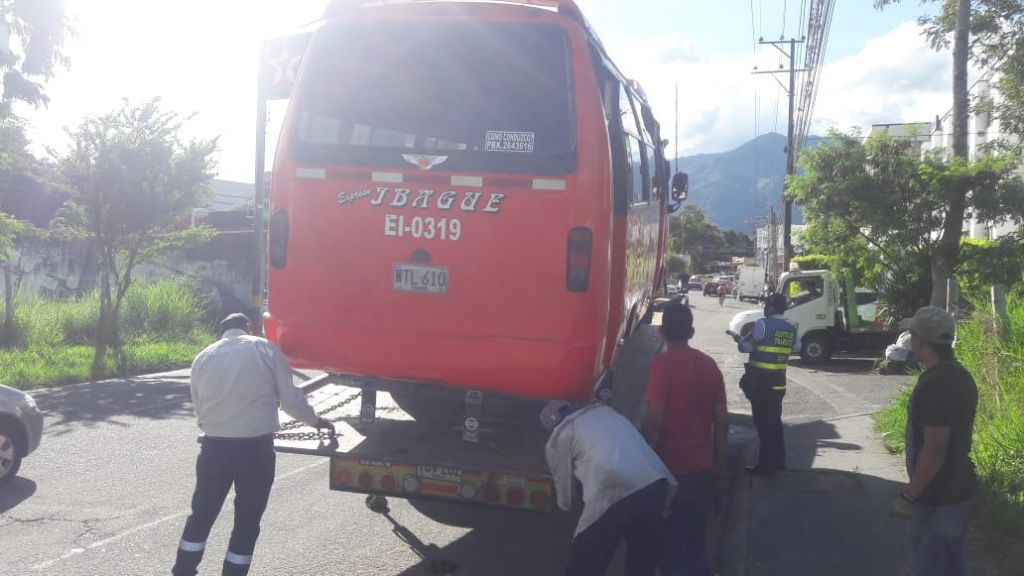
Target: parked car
(21,428)
(696,284)
(672,290)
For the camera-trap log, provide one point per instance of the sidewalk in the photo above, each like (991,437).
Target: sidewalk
(828,515)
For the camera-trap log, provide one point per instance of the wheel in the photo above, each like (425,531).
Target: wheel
(648,317)
(10,452)
(817,348)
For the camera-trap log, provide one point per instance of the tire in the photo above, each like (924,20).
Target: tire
(11,452)
(649,316)
(816,349)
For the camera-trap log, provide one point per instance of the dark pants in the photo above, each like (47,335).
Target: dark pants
(686,544)
(639,519)
(248,464)
(765,390)
(937,537)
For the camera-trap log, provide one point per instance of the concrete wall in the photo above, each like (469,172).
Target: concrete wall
(224,267)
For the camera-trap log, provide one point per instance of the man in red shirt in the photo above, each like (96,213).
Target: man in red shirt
(687,424)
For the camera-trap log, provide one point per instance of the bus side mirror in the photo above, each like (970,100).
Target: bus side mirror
(680,186)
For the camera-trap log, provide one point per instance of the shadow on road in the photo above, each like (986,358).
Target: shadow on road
(839,366)
(159,397)
(539,546)
(17,491)
(819,520)
(824,521)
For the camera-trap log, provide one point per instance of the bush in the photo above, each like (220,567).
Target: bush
(169,307)
(986,263)
(162,325)
(813,262)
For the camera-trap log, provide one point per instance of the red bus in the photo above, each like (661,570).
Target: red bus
(465,193)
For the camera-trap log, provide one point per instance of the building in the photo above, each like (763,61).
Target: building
(983,129)
(769,246)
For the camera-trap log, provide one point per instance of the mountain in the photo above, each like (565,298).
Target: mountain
(735,187)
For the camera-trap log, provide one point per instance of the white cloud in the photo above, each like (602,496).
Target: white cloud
(894,78)
(185,52)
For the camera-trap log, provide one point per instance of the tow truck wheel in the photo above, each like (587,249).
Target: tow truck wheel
(817,349)
(10,452)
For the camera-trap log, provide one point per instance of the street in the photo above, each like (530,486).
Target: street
(108,491)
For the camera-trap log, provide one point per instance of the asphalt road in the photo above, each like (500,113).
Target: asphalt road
(108,491)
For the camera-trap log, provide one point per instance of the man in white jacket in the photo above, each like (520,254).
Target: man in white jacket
(238,383)
(626,487)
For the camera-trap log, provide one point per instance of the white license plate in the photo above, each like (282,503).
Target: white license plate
(418,278)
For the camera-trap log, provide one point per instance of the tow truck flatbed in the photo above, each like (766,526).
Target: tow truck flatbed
(383,449)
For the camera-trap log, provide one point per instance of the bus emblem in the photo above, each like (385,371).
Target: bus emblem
(424,162)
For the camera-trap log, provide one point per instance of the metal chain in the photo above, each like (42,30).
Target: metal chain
(283,434)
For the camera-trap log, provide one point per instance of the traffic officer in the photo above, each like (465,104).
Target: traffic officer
(238,383)
(769,344)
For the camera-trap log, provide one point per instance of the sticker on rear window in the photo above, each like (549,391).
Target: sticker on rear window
(500,141)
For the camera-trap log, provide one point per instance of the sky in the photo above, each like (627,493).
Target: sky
(200,57)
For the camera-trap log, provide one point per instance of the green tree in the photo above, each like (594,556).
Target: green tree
(133,183)
(699,238)
(38,29)
(10,228)
(877,204)
(24,181)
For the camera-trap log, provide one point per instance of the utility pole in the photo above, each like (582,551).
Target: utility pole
(675,136)
(787,202)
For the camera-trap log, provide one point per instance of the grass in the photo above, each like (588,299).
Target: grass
(995,357)
(162,325)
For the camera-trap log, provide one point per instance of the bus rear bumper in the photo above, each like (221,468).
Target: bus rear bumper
(538,369)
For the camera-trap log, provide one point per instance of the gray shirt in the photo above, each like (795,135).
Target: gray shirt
(239,382)
(606,453)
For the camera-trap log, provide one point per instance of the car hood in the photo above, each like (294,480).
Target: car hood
(743,318)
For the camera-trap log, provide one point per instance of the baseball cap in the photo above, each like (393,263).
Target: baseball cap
(553,414)
(236,321)
(934,326)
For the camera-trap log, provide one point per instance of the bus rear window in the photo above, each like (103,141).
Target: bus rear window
(491,97)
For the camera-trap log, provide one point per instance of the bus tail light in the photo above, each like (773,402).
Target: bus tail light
(577,272)
(279,238)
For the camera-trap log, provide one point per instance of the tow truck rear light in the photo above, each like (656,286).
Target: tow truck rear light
(366,480)
(278,236)
(491,492)
(539,500)
(411,484)
(344,477)
(577,271)
(387,482)
(515,497)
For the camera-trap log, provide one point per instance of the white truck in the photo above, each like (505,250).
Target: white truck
(751,283)
(829,315)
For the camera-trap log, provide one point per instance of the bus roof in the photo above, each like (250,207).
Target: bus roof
(340,7)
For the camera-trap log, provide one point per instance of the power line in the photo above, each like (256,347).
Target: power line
(753,29)
(775,121)
(785,6)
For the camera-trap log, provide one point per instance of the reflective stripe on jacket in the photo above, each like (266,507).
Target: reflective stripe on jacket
(771,352)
